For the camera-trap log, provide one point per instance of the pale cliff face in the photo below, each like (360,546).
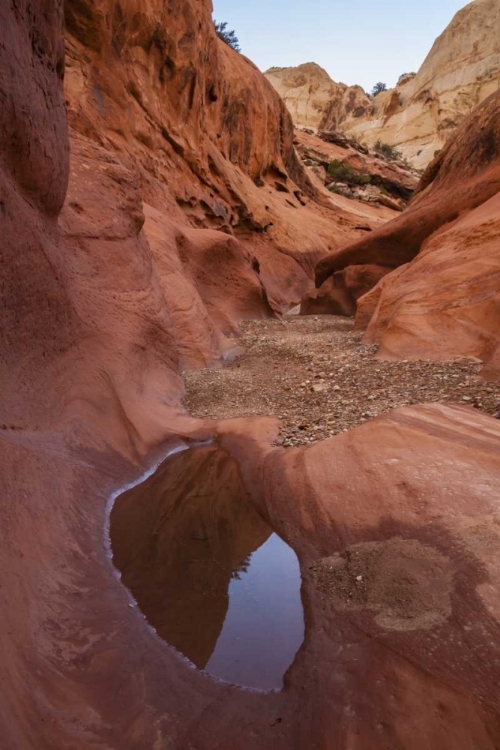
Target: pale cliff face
(461,70)
(316,101)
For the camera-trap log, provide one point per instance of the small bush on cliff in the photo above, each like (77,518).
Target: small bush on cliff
(406,77)
(378,88)
(229,37)
(387,151)
(341,172)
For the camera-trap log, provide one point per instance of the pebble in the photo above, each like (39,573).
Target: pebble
(270,378)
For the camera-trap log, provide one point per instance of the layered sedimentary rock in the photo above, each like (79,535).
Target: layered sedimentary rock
(203,133)
(443,300)
(315,100)
(394,184)
(339,294)
(461,70)
(180,177)
(37,321)
(417,117)
(167,146)
(107,291)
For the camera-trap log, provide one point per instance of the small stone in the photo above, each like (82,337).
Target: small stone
(359,578)
(319,387)
(466,398)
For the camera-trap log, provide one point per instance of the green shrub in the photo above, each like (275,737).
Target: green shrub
(406,75)
(387,151)
(378,88)
(229,37)
(341,172)
(360,178)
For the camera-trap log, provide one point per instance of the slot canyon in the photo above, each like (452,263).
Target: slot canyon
(250,425)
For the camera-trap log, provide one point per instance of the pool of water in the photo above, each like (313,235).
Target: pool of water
(263,627)
(208,572)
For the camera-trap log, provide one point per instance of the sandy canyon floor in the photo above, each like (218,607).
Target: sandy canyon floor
(316,376)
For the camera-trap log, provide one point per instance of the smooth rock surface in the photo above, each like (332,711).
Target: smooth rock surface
(103,302)
(443,299)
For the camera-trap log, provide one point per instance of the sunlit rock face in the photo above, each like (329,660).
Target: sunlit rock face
(461,70)
(315,100)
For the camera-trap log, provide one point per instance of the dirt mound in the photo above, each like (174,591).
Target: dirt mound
(408,584)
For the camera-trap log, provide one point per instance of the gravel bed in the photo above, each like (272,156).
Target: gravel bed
(314,374)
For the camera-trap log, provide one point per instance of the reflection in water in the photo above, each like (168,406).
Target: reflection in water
(208,572)
(261,632)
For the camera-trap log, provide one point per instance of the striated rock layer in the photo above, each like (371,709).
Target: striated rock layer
(202,132)
(443,299)
(169,143)
(104,299)
(382,184)
(461,70)
(315,100)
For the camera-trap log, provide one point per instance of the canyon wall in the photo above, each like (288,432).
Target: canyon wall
(315,100)
(186,211)
(442,300)
(417,117)
(131,249)
(203,133)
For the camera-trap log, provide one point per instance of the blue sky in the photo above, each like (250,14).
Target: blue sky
(356,41)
